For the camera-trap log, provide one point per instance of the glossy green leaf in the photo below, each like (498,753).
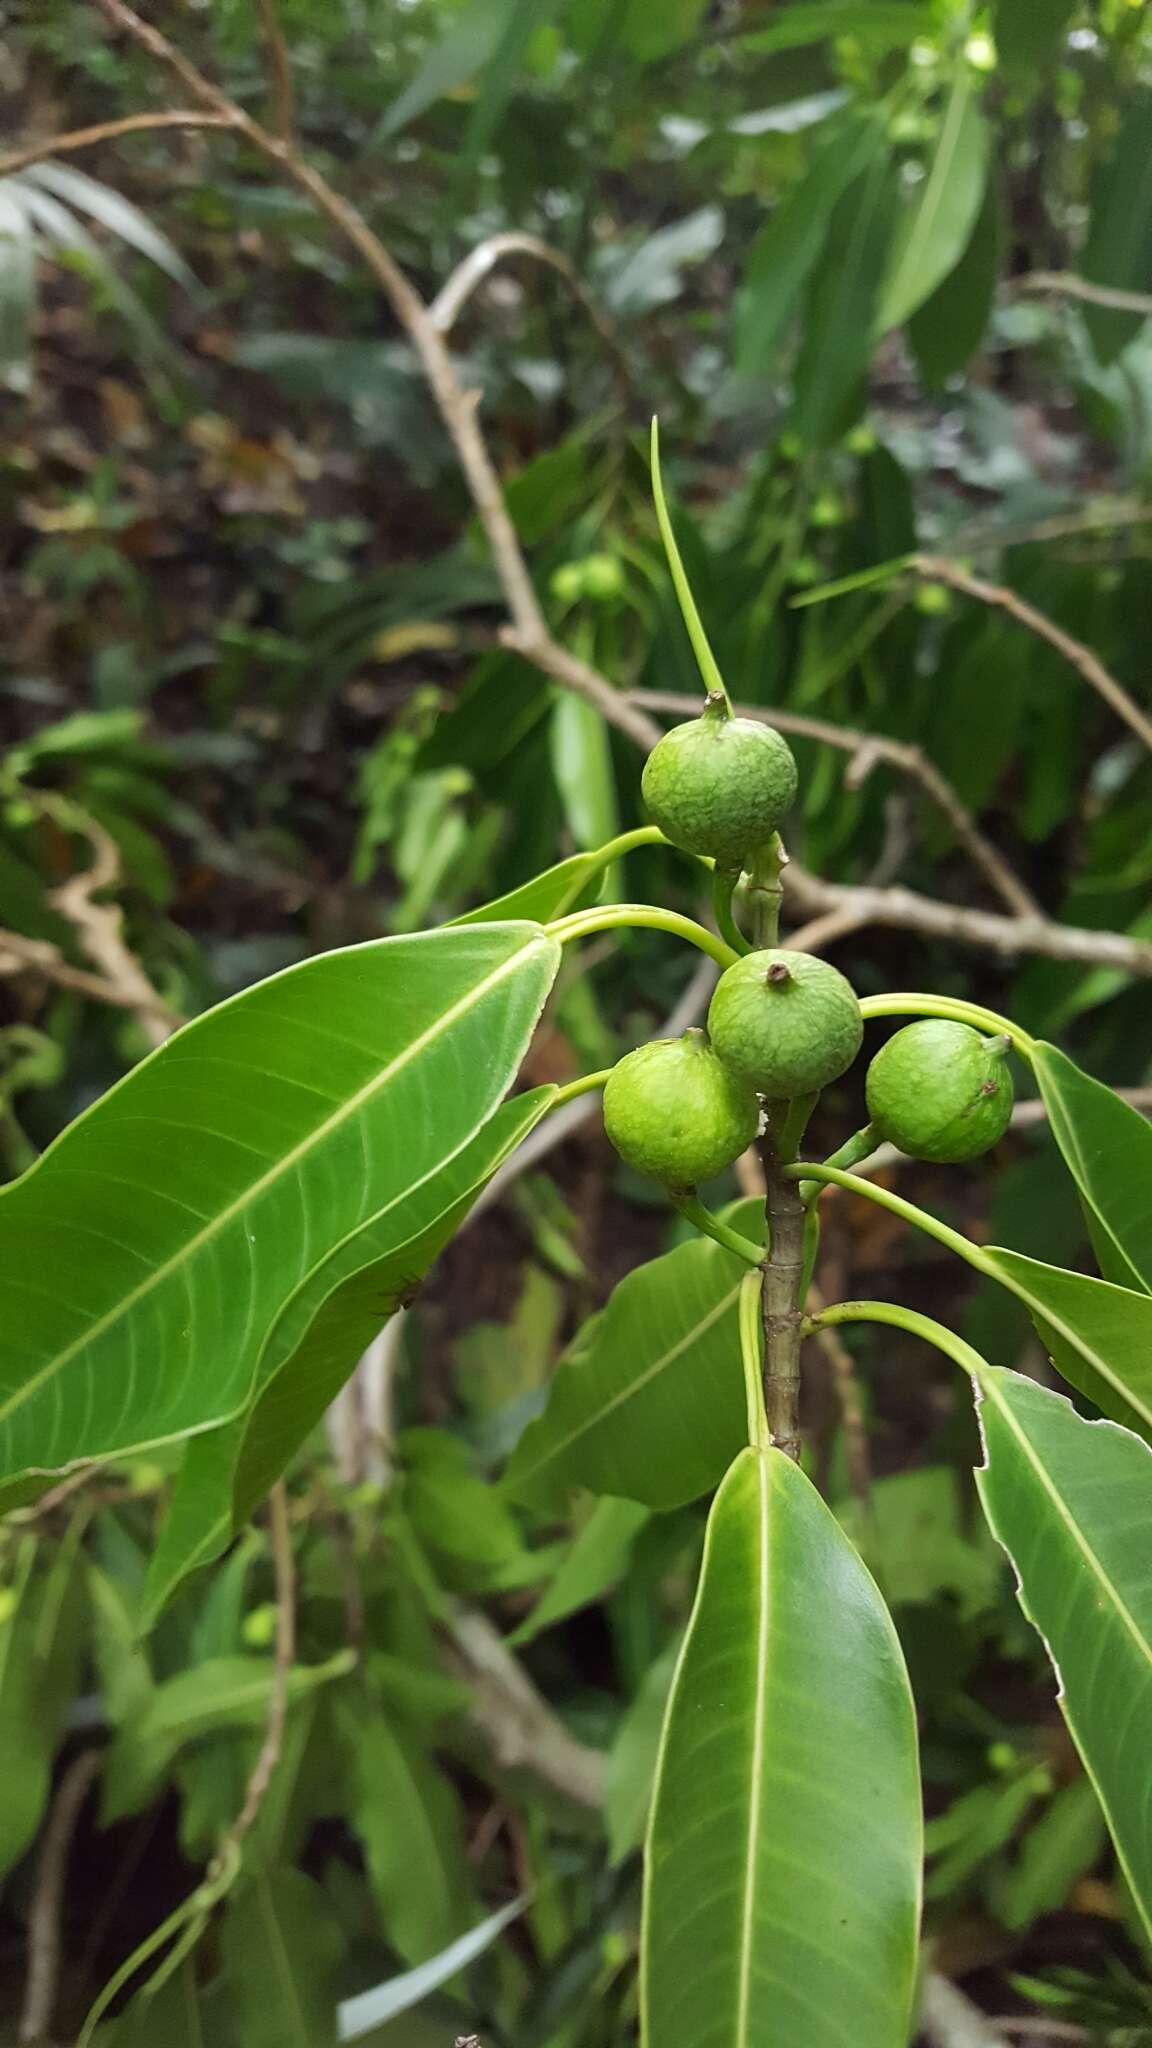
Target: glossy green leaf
(939,221)
(41,1642)
(192,1201)
(1099,1335)
(1071,1502)
(840,310)
(949,326)
(582,766)
(173,2016)
(1030,32)
(281,1946)
(632,1758)
(1107,1147)
(570,885)
(879,23)
(648,1403)
(315,1344)
(597,1558)
(1119,247)
(787,249)
(1062,1847)
(784,1848)
(407,1818)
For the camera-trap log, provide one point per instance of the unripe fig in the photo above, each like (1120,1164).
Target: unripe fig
(786,1022)
(674,1112)
(719,785)
(941,1091)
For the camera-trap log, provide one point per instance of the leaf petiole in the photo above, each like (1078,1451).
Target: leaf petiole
(751,1337)
(582,924)
(724,882)
(956,1009)
(910,1319)
(694,1211)
(713,680)
(583,1086)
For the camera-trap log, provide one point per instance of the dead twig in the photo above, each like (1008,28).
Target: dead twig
(446,308)
(284,1567)
(18,952)
(44,1939)
(518,1725)
(1069,286)
(101,933)
(866,750)
(105,131)
(937,570)
(949,2019)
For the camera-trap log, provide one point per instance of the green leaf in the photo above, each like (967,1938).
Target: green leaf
(1107,1148)
(648,1403)
(949,327)
(1119,247)
(312,1348)
(281,1946)
(371,2009)
(582,766)
(469,42)
(1029,32)
(1070,1501)
(570,885)
(632,1758)
(784,1848)
(840,310)
(597,1559)
(498,79)
(192,1201)
(787,249)
(882,26)
(405,1813)
(41,1639)
(1099,1335)
(1061,1848)
(939,222)
(113,212)
(172,2015)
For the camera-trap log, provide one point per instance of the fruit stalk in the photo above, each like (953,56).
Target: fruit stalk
(784,1265)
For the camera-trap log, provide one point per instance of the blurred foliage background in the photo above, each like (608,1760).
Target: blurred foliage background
(251,669)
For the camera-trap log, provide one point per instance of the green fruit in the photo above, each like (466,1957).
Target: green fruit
(787,1023)
(674,1112)
(940,1091)
(719,785)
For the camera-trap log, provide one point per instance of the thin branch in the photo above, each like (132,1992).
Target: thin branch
(937,570)
(280,70)
(480,262)
(517,1724)
(44,1942)
(1069,286)
(101,933)
(949,2019)
(867,749)
(1046,2031)
(1010,937)
(284,1566)
(104,131)
(18,952)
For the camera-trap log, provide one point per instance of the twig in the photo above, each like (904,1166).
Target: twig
(284,1566)
(1011,937)
(948,2019)
(446,308)
(866,749)
(44,1944)
(517,1724)
(1042,2030)
(18,951)
(937,570)
(1069,286)
(105,131)
(280,70)
(100,928)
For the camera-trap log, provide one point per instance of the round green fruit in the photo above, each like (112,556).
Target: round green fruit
(940,1091)
(674,1112)
(719,785)
(786,1023)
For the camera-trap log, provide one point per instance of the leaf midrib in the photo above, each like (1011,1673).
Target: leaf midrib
(756,1769)
(257,1188)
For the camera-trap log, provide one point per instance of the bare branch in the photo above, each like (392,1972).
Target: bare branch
(866,749)
(284,1565)
(100,929)
(44,1943)
(479,263)
(517,1724)
(949,2019)
(17,952)
(937,570)
(1011,937)
(280,70)
(1069,286)
(104,131)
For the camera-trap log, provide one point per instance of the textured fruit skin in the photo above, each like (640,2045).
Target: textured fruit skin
(940,1091)
(719,785)
(674,1112)
(785,1022)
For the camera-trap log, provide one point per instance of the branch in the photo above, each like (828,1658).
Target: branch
(104,131)
(949,2019)
(517,1724)
(1069,286)
(1089,665)
(44,1945)
(867,749)
(280,70)
(100,929)
(18,951)
(1011,937)
(284,1565)
(479,263)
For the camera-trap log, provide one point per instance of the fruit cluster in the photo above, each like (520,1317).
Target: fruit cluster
(782,1025)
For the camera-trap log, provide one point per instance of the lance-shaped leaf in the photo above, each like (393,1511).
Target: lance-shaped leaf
(1071,1501)
(648,1403)
(1107,1148)
(281,1946)
(938,225)
(314,1345)
(146,1256)
(783,1861)
(1099,1335)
